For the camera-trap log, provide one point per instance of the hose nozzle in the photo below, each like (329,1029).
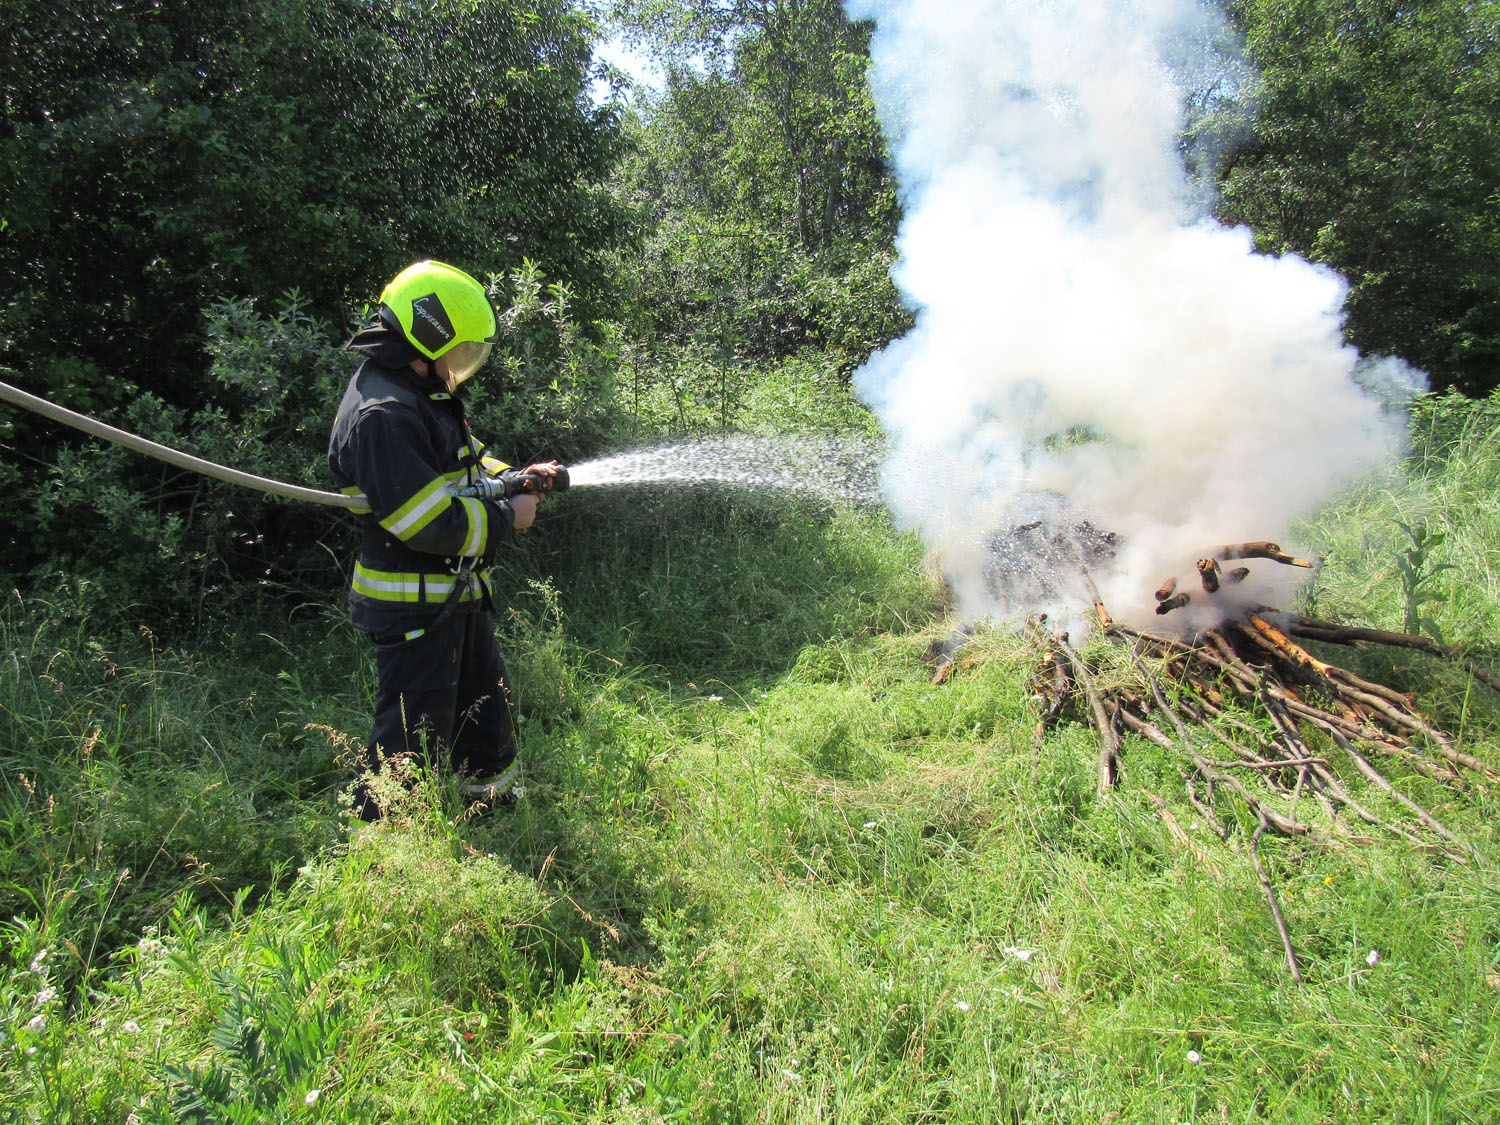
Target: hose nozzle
(537,482)
(509,484)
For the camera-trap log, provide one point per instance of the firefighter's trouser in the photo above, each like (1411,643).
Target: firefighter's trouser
(444,698)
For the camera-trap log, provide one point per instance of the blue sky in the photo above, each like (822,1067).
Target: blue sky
(634,62)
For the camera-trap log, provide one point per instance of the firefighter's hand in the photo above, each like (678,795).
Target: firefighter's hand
(523,504)
(542,468)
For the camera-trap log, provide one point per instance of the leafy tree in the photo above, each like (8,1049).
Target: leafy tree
(1373,150)
(169,167)
(764,169)
(158,155)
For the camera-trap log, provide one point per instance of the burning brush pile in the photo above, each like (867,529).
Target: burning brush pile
(1254,717)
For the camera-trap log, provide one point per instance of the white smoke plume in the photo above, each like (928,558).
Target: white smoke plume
(1091,356)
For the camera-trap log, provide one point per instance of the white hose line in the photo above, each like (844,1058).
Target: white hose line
(174,457)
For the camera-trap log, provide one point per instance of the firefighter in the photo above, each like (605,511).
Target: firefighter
(421,587)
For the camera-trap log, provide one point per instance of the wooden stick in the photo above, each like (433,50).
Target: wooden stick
(1297,748)
(1270,765)
(1260,549)
(1336,791)
(1109,737)
(1286,646)
(1146,730)
(1417,724)
(1399,698)
(1265,883)
(1348,634)
(1378,779)
(1279,822)
(1105,621)
(1180,835)
(1208,574)
(1176,601)
(1205,811)
(1425,766)
(1060,689)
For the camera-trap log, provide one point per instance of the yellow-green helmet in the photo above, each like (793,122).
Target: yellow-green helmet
(442,311)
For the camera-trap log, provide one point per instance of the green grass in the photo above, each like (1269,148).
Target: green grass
(765,870)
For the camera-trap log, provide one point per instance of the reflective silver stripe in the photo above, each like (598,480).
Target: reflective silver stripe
(508,778)
(499,786)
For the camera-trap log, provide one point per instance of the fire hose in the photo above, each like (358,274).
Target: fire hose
(492,488)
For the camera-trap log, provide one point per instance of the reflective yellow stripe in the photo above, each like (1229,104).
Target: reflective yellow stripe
(479,528)
(487,460)
(355,490)
(420,510)
(397,586)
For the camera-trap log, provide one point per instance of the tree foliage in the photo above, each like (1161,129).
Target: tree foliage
(1374,150)
(196,196)
(158,155)
(764,170)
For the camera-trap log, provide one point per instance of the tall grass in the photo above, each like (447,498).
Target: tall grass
(764,869)
(1450,485)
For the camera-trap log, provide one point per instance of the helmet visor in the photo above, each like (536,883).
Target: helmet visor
(465,358)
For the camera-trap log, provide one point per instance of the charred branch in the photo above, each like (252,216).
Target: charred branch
(1347,635)
(1260,549)
(1176,601)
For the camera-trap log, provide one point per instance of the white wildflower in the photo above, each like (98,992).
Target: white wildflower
(30,1051)
(961,1005)
(36,962)
(45,996)
(790,1075)
(312,1096)
(36,1023)
(1019,954)
(1194,1057)
(1372,959)
(130,1027)
(872,824)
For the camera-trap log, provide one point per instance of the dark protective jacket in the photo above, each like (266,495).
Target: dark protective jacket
(402,441)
